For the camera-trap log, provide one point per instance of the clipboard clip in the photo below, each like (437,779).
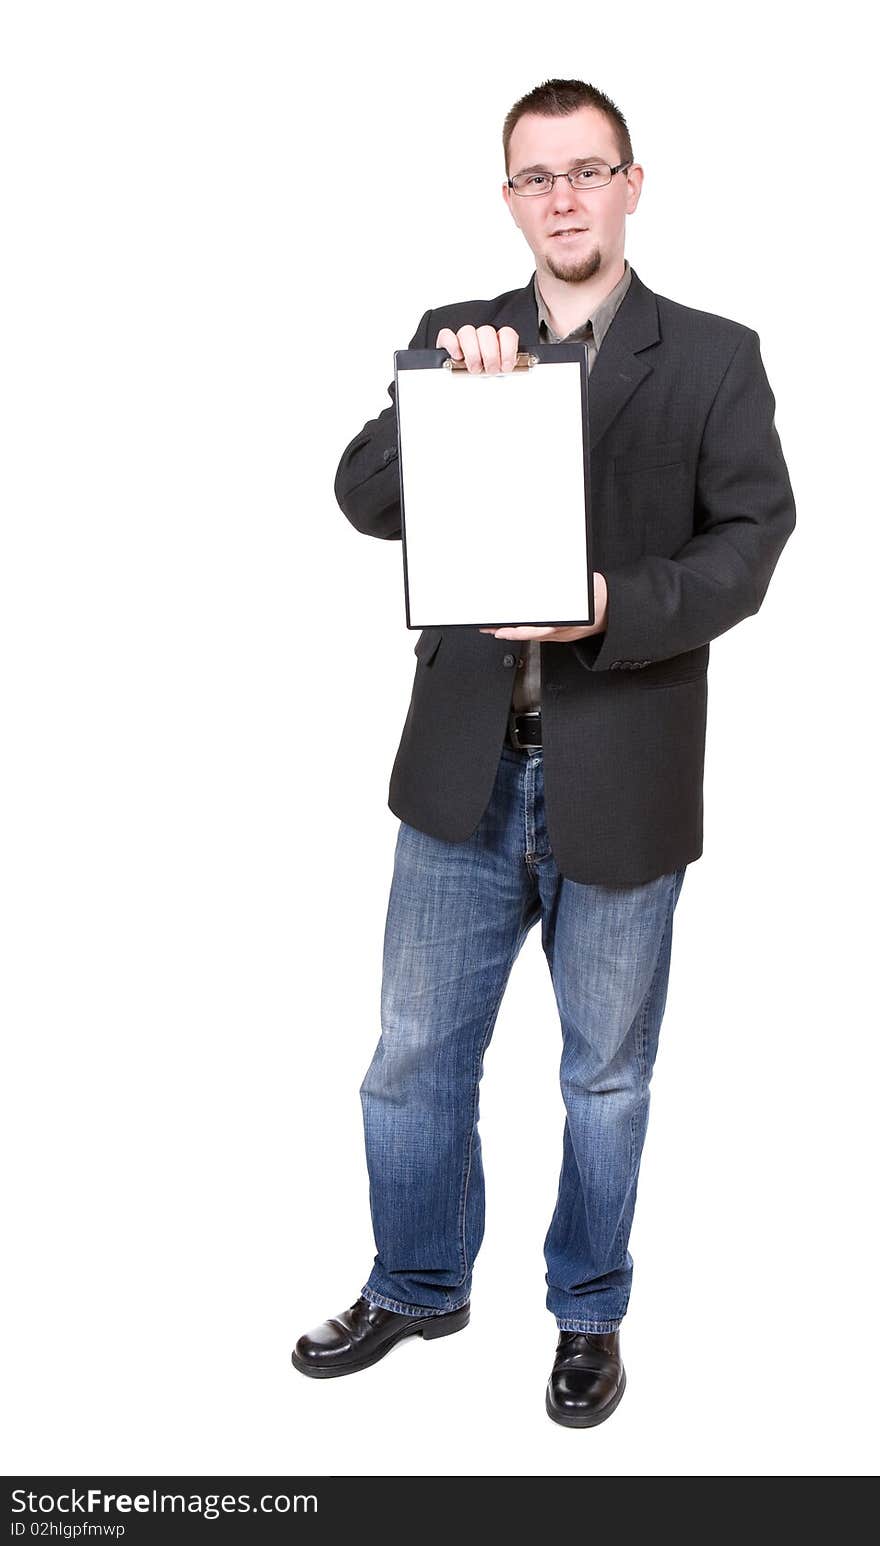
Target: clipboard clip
(524,361)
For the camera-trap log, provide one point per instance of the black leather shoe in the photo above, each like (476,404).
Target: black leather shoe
(363,1334)
(587,1379)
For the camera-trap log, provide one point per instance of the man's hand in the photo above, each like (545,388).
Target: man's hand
(482,347)
(563,635)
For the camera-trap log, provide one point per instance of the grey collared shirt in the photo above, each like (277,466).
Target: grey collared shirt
(527,687)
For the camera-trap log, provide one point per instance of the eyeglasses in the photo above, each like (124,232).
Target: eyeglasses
(594,174)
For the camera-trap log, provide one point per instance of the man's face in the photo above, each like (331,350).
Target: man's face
(598,214)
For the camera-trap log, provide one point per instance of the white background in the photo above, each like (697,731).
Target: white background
(205,672)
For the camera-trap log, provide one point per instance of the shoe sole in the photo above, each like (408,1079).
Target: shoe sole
(434,1326)
(591,1419)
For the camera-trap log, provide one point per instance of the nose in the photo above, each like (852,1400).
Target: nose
(562,197)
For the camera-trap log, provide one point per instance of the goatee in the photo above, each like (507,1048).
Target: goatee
(575,273)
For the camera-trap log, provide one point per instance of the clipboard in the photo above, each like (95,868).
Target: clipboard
(495,490)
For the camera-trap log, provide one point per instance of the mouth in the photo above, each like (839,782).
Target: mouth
(570,234)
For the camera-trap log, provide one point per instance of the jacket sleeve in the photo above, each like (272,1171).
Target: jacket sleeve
(744,514)
(367,485)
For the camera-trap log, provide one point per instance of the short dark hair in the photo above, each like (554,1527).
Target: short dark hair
(556,99)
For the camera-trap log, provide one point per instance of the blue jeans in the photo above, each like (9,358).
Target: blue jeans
(458,915)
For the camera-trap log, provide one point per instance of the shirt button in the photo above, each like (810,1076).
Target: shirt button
(509,660)
(521,662)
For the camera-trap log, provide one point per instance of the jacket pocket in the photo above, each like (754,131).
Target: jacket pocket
(640,460)
(427,645)
(672,681)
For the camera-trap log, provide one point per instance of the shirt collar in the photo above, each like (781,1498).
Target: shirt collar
(598,322)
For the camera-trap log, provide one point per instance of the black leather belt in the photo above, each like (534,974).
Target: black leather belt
(524,729)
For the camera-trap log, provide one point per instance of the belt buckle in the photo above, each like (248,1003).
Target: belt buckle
(511,726)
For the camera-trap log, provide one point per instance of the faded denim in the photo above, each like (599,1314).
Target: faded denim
(458,915)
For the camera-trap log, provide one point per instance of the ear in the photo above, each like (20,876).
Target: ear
(634,179)
(508,199)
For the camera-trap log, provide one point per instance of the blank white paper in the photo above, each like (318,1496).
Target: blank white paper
(494,534)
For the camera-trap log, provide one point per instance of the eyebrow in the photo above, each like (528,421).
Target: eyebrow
(540,167)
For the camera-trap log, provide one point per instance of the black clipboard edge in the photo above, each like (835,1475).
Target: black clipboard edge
(549,354)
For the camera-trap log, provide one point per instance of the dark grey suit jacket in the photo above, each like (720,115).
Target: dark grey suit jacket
(691,508)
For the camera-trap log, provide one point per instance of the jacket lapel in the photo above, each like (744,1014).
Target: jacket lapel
(618,370)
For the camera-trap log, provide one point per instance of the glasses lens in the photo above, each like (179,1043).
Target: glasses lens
(592,176)
(531,182)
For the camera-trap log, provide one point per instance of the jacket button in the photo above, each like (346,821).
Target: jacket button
(509,660)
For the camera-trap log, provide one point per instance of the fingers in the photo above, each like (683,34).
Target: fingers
(446,339)
(470,348)
(509,341)
(482,348)
(487,338)
(526,632)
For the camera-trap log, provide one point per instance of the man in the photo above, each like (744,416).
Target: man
(691,507)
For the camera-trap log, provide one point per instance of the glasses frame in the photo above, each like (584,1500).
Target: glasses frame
(542,193)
